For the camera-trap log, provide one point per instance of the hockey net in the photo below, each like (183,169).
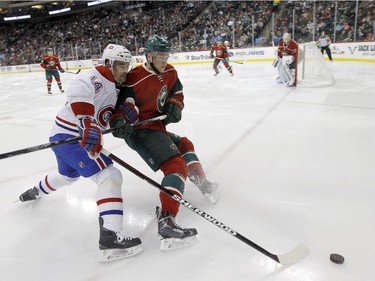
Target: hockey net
(312,69)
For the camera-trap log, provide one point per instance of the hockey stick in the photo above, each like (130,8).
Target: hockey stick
(55,143)
(71,72)
(236,62)
(290,257)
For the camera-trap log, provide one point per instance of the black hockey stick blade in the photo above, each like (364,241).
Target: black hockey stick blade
(290,257)
(71,72)
(237,62)
(55,143)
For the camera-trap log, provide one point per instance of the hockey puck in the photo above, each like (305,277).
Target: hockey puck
(336,258)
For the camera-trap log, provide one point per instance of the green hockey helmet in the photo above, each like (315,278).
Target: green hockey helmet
(156,43)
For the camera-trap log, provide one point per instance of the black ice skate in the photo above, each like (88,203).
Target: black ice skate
(210,190)
(172,235)
(30,194)
(113,246)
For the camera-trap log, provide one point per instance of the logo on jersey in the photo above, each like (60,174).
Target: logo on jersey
(103,115)
(162,98)
(98,85)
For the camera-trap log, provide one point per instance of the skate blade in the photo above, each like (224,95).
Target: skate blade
(169,244)
(117,254)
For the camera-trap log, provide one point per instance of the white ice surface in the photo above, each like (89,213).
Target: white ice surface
(295,166)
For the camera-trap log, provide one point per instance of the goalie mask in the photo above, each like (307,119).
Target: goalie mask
(286,38)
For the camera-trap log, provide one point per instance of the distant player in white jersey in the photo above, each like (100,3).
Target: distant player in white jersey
(323,43)
(91,99)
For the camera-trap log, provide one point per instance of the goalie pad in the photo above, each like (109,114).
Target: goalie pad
(286,74)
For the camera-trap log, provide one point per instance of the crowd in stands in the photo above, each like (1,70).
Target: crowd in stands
(326,15)
(190,25)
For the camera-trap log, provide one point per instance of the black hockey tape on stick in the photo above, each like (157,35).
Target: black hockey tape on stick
(290,257)
(237,62)
(55,143)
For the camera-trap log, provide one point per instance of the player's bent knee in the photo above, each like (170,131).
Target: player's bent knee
(65,180)
(185,145)
(175,165)
(110,173)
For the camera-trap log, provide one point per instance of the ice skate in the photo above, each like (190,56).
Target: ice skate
(290,83)
(172,235)
(62,91)
(50,93)
(210,190)
(216,73)
(30,194)
(113,246)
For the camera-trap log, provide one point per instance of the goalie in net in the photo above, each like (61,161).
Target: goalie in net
(286,61)
(303,63)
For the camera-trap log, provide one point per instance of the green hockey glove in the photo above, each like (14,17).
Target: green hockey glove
(173,109)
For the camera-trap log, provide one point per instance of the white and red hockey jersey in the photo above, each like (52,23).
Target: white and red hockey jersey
(95,88)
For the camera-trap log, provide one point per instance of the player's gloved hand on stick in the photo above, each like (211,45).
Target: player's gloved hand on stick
(62,70)
(212,56)
(124,130)
(130,111)
(91,136)
(173,109)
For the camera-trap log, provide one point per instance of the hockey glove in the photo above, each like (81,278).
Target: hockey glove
(123,131)
(130,111)
(62,70)
(173,109)
(212,56)
(91,136)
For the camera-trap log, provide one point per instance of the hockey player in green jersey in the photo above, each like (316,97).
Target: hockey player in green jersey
(154,87)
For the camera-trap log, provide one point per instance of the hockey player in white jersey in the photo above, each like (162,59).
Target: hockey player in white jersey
(91,99)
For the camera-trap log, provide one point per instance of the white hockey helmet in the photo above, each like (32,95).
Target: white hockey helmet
(116,53)
(226,43)
(286,37)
